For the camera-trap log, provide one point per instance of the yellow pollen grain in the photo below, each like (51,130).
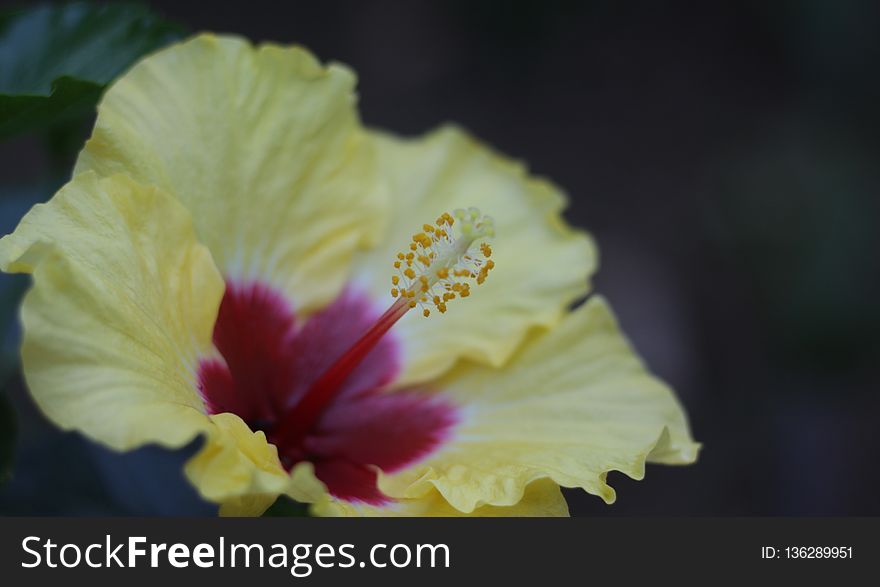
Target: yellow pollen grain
(442,262)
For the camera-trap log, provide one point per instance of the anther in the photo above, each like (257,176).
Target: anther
(445,260)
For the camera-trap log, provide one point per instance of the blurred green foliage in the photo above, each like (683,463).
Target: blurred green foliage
(284,507)
(7,439)
(14,203)
(55,60)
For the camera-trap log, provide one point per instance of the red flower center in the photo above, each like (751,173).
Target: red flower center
(291,380)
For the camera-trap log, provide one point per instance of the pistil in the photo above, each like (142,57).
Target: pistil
(434,271)
(300,419)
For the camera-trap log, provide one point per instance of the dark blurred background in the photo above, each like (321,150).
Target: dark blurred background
(725,155)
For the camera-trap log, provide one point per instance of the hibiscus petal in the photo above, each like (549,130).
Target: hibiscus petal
(262,145)
(240,463)
(360,435)
(573,404)
(385,430)
(122,308)
(541,265)
(541,498)
(350,481)
(123,303)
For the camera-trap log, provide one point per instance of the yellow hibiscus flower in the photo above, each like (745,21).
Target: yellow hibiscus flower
(226,262)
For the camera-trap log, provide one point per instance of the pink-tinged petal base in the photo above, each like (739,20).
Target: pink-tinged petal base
(269,362)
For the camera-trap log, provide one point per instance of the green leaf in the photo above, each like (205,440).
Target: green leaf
(55,60)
